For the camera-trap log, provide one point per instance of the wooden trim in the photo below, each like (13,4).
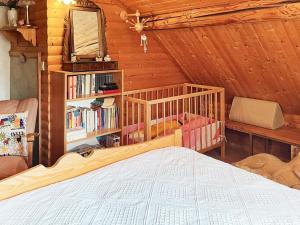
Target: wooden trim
(227,15)
(67,73)
(73,165)
(135,100)
(286,135)
(152,89)
(185,96)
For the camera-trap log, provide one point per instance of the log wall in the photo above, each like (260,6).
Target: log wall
(141,70)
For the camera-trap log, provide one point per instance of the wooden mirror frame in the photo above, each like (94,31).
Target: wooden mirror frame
(68,47)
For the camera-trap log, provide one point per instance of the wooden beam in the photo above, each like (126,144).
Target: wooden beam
(227,15)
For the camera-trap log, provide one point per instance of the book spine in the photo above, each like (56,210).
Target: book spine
(74,86)
(87,85)
(106,92)
(83,84)
(93,84)
(70,87)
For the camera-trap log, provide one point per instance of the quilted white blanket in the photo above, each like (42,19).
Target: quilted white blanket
(171,186)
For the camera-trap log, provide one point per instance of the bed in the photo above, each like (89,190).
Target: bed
(198,110)
(159,182)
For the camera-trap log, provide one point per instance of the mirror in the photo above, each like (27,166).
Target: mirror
(87,33)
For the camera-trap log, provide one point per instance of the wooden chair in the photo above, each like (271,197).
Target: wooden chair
(10,165)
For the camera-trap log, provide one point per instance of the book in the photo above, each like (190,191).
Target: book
(76,134)
(92,119)
(70,87)
(93,84)
(89,84)
(107,92)
(74,86)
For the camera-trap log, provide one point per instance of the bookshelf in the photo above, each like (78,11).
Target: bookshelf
(60,100)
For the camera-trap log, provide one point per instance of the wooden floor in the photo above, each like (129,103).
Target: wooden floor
(237,148)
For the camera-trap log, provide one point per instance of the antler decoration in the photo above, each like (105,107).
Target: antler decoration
(137,25)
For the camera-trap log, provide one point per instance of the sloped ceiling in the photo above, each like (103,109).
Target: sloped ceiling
(257,59)
(156,7)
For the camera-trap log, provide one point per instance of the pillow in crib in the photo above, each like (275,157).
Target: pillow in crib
(13,141)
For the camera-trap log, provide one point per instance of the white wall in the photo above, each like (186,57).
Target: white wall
(4,68)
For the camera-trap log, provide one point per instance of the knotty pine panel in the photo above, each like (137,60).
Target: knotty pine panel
(257,60)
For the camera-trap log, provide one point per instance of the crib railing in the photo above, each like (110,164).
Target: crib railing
(155,112)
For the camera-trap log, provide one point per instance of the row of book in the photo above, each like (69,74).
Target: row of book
(81,120)
(89,84)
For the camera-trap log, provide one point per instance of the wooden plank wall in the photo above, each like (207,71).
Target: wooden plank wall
(141,70)
(257,60)
(250,47)
(38,16)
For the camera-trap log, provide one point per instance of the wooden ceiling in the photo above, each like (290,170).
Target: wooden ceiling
(156,7)
(251,60)
(253,49)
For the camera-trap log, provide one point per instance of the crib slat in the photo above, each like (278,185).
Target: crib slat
(222,103)
(189,118)
(157,134)
(201,114)
(147,122)
(171,112)
(127,123)
(139,120)
(196,128)
(210,118)
(183,111)
(216,111)
(177,111)
(133,119)
(206,122)
(164,112)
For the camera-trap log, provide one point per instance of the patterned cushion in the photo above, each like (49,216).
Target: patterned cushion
(13,140)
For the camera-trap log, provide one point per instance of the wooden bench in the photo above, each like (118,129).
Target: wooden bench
(287,135)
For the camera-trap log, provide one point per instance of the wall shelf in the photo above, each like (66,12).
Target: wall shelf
(28,33)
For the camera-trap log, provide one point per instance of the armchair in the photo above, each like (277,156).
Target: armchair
(10,165)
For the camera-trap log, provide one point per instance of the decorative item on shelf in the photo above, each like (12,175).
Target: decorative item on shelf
(73,57)
(107,58)
(3,15)
(26,4)
(67,2)
(21,22)
(99,59)
(12,13)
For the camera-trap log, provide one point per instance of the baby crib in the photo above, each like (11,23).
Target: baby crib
(197,109)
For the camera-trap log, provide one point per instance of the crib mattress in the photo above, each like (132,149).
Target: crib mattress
(170,186)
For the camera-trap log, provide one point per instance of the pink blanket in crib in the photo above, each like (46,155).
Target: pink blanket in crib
(199,133)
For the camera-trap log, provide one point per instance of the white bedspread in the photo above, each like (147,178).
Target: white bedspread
(171,186)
